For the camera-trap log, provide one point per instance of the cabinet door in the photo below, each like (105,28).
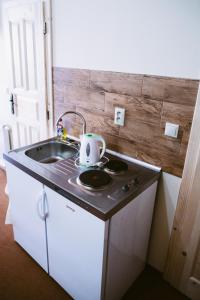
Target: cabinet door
(75,247)
(29,229)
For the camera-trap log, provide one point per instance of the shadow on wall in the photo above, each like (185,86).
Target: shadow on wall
(167,195)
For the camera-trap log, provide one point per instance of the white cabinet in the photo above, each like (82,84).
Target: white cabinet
(25,195)
(69,242)
(76,247)
(90,258)
(129,233)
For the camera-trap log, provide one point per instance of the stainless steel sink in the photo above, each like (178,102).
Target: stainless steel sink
(51,152)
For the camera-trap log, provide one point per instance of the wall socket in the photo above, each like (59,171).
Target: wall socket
(171,129)
(119,116)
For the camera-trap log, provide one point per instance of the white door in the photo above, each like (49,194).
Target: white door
(26,198)
(24,27)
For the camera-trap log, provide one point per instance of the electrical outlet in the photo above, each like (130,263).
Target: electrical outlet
(171,129)
(119,116)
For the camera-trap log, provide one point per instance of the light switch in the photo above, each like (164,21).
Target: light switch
(171,129)
(119,116)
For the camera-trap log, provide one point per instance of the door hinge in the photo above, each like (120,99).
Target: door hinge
(45,28)
(48,115)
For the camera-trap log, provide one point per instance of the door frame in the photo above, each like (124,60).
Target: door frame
(49,64)
(48,60)
(184,246)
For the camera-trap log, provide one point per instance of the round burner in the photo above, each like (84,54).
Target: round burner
(94,179)
(115,166)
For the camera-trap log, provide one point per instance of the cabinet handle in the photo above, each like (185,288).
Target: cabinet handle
(72,209)
(45,205)
(42,207)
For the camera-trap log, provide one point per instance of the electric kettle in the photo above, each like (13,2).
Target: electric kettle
(90,150)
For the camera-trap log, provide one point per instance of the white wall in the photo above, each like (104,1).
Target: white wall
(158,37)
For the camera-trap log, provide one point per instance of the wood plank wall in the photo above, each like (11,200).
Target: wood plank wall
(149,101)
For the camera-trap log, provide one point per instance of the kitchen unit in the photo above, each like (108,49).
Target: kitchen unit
(92,240)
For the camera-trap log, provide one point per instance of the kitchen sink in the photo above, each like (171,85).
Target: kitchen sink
(51,152)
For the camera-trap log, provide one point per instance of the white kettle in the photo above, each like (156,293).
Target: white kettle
(90,150)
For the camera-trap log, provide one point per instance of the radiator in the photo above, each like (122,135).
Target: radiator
(7,146)
(7,140)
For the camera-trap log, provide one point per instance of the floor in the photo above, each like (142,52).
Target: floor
(21,278)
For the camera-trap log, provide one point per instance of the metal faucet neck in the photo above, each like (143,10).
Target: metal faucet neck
(75,113)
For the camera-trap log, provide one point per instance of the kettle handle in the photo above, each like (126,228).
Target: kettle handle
(104,145)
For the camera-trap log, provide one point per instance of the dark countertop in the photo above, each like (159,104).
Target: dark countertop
(97,203)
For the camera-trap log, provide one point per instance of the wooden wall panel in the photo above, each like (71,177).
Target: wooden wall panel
(114,82)
(178,113)
(138,108)
(84,97)
(153,87)
(149,102)
(181,91)
(74,77)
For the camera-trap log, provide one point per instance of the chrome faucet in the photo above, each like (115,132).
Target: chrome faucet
(75,113)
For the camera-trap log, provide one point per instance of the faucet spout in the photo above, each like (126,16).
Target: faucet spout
(75,113)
